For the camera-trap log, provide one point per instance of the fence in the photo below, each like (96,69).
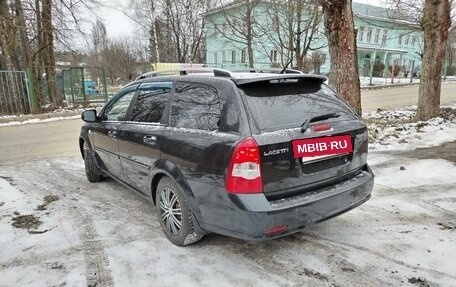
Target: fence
(230,65)
(14,93)
(84,85)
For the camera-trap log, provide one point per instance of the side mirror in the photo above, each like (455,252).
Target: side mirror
(89,116)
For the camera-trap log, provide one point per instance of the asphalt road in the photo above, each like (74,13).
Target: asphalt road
(389,98)
(38,141)
(57,139)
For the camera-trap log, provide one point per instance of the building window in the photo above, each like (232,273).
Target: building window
(361,34)
(407,39)
(369,35)
(243,56)
(233,57)
(413,41)
(274,56)
(215,58)
(323,59)
(377,36)
(400,40)
(385,32)
(275,23)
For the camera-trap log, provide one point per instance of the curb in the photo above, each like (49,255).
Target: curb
(399,85)
(378,87)
(23,118)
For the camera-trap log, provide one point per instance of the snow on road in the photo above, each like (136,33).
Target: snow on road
(56,229)
(37,121)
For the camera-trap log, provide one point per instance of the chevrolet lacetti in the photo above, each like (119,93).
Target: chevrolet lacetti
(248,155)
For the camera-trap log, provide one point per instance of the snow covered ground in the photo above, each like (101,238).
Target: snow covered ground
(56,229)
(395,129)
(37,120)
(380,81)
(386,81)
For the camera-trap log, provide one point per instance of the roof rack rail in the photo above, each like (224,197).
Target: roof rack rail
(216,72)
(268,70)
(186,71)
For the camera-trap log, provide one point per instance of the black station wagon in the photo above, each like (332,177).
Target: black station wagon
(248,155)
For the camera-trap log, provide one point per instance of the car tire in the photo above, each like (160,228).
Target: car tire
(93,173)
(174,213)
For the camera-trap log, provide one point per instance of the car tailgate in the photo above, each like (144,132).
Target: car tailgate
(286,174)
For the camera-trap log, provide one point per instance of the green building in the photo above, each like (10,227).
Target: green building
(385,42)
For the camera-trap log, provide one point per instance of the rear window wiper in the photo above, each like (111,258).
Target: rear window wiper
(307,122)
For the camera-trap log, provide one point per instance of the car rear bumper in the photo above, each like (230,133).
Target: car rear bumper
(252,215)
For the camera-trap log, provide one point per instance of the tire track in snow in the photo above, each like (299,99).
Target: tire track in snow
(96,260)
(320,239)
(49,179)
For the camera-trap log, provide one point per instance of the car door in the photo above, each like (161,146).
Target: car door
(140,137)
(105,134)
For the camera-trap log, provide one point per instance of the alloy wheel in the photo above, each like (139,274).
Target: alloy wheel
(170,210)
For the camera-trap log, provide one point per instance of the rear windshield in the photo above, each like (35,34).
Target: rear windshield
(283,104)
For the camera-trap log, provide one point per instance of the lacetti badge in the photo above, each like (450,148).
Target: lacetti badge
(276,152)
(322,146)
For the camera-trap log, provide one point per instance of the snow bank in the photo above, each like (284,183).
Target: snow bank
(395,129)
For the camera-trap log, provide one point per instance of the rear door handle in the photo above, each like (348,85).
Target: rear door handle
(150,139)
(112,134)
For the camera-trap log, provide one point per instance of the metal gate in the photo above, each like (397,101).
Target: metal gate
(14,93)
(84,85)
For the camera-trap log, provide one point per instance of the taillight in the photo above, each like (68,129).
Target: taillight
(244,172)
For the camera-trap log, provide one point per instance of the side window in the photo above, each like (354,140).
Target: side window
(151,102)
(195,106)
(118,110)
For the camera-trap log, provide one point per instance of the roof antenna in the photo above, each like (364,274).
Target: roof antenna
(286,66)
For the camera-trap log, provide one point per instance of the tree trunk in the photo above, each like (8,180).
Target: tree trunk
(26,49)
(3,26)
(22,30)
(339,27)
(435,24)
(249,39)
(9,37)
(48,52)
(299,56)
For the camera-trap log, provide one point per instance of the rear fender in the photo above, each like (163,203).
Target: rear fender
(167,168)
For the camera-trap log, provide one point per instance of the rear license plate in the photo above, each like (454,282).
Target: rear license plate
(315,148)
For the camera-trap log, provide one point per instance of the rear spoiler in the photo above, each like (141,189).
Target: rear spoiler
(244,81)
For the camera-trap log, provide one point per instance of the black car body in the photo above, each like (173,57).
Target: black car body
(228,153)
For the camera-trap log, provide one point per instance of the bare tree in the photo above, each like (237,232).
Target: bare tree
(29,33)
(435,24)
(434,19)
(121,59)
(293,29)
(341,34)
(175,28)
(8,37)
(99,38)
(239,24)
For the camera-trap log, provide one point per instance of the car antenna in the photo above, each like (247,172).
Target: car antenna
(286,66)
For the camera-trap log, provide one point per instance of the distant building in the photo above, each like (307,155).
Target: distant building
(383,41)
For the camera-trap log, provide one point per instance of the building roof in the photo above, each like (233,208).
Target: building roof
(370,10)
(379,13)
